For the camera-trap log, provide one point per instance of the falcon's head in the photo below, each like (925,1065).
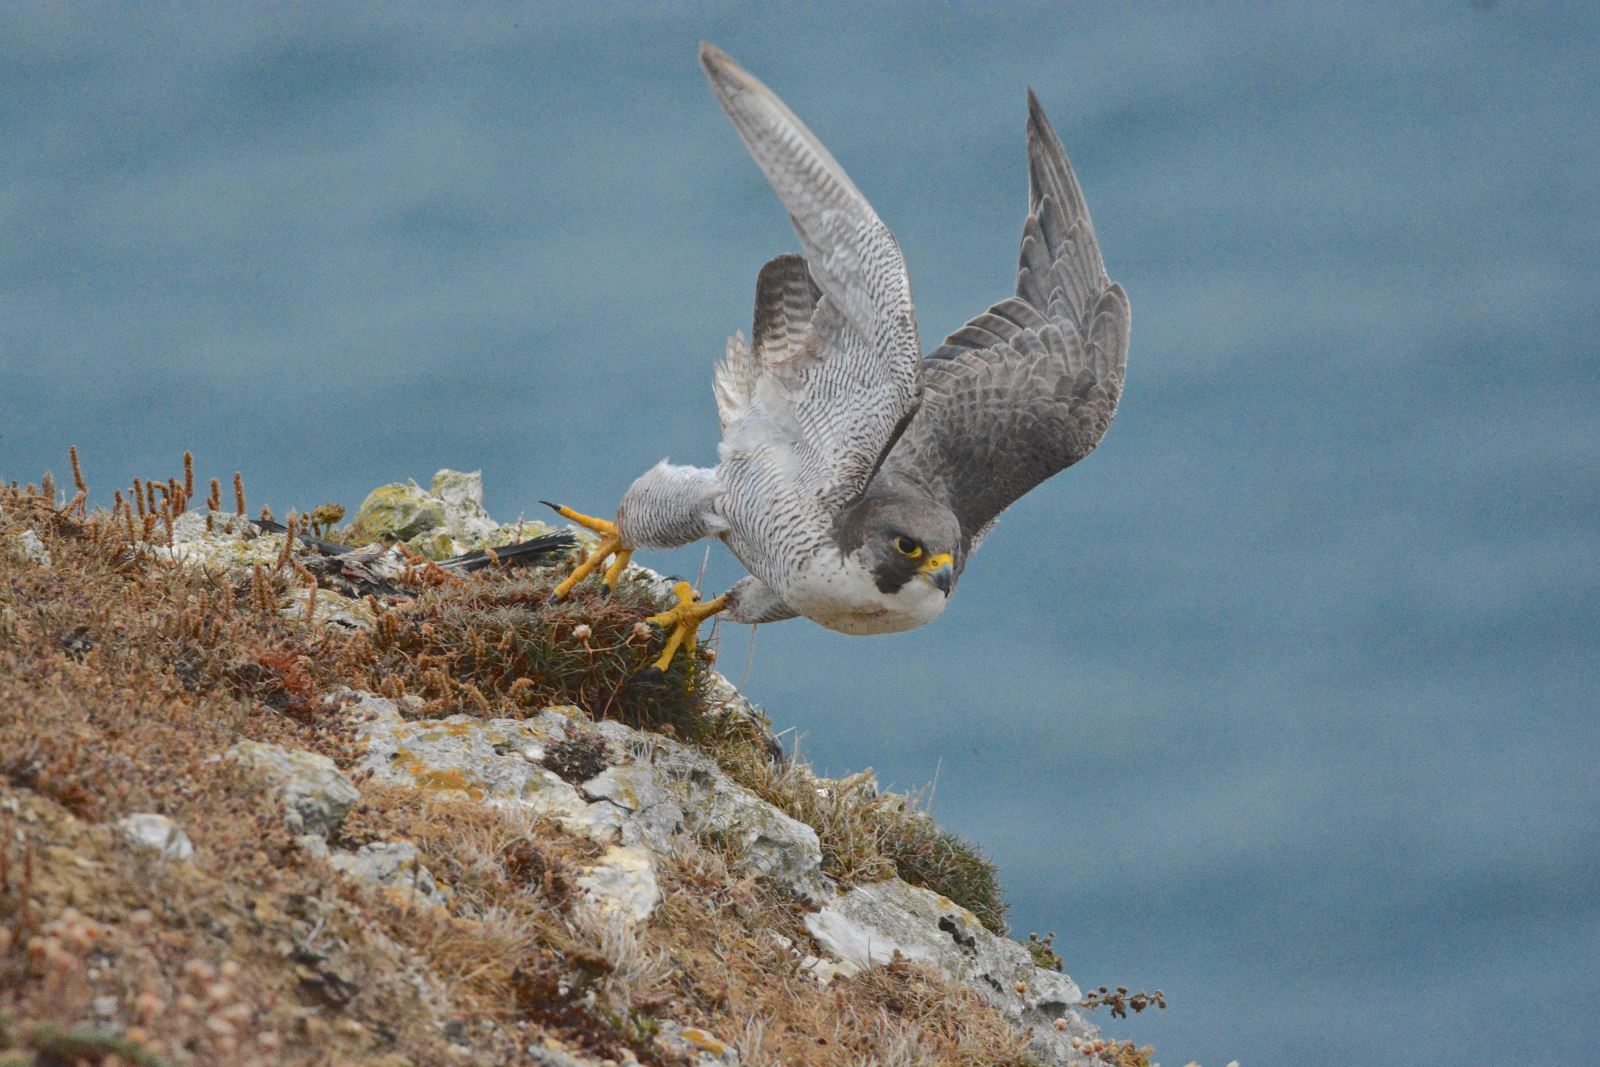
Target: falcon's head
(909,544)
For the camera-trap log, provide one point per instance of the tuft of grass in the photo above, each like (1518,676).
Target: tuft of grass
(496,644)
(927,855)
(867,835)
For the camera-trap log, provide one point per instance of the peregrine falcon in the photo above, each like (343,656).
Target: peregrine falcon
(857,477)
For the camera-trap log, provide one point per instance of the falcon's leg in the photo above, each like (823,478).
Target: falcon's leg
(684,620)
(666,506)
(753,601)
(610,547)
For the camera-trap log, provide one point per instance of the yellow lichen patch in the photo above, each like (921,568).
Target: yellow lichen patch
(704,1041)
(448,729)
(429,778)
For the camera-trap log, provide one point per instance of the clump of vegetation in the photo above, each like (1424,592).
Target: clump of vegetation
(1044,951)
(867,835)
(1114,1053)
(926,854)
(123,676)
(323,517)
(1120,1001)
(577,759)
(494,643)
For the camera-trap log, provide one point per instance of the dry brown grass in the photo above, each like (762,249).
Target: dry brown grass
(738,951)
(122,678)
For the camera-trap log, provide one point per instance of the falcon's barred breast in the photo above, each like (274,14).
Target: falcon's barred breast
(855,476)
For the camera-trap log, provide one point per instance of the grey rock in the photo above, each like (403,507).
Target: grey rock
(645,812)
(31,548)
(331,609)
(157,833)
(357,705)
(400,510)
(765,841)
(462,495)
(445,518)
(623,882)
(723,699)
(190,527)
(871,924)
(390,865)
(313,845)
(549,1057)
(690,1044)
(314,794)
(478,757)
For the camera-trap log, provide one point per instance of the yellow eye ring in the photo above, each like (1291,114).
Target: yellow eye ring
(907,548)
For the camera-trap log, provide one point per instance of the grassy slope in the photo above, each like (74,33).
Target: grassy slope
(122,677)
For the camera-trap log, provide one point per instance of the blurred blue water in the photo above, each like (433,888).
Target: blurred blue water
(1283,702)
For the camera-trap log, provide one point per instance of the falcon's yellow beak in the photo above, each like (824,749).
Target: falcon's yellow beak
(940,570)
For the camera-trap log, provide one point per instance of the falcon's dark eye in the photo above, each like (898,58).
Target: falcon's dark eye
(907,547)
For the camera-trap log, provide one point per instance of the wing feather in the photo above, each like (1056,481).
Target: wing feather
(834,344)
(734,381)
(1028,387)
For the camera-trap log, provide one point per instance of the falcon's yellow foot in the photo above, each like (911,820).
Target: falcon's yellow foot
(610,547)
(685,620)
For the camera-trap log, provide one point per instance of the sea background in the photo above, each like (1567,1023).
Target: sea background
(1283,702)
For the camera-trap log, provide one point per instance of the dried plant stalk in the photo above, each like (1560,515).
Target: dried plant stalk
(77,471)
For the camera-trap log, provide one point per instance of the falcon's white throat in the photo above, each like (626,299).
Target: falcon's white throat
(839,592)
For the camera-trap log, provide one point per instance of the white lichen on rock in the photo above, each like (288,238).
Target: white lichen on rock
(27,545)
(652,790)
(623,881)
(157,833)
(393,866)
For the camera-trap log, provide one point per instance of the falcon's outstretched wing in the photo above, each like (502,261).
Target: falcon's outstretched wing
(1029,387)
(834,360)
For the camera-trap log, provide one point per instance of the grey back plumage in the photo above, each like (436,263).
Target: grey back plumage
(1030,386)
(832,373)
